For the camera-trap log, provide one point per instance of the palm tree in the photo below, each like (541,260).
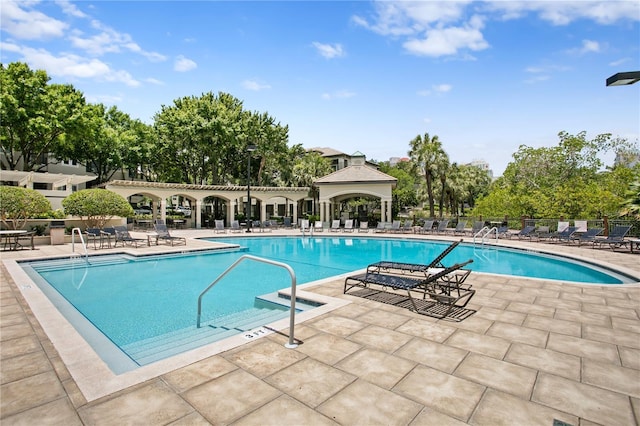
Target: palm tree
(428,156)
(307,169)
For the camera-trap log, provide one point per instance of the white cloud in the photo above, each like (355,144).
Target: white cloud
(70,9)
(23,23)
(590,46)
(329,51)
(619,62)
(182,64)
(254,85)
(436,88)
(69,65)
(154,81)
(449,41)
(565,12)
(341,94)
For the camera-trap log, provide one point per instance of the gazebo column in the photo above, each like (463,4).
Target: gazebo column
(295,213)
(163,209)
(383,210)
(198,214)
(263,211)
(231,209)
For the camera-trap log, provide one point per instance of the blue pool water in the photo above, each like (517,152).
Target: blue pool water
(131,299)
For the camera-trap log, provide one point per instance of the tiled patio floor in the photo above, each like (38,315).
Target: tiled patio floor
(533,352)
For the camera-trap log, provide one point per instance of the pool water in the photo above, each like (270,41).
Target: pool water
(134,299)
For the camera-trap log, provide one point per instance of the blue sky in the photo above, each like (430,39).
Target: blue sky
(369,76)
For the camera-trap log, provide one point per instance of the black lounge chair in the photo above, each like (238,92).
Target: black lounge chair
(402,267)
(441,292)
(564,235)
(459,229)
(97,236)
(615,238)
(427,227)
(526,232)
(442,226)
(587,237)
(163,235)
(123,236)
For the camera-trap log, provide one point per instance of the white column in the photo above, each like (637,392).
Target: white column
(295,213)
(383,210)
(231,210)
(263,211)
(163,210)
(198,214)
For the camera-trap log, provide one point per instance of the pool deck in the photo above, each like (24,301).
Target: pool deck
(533,352)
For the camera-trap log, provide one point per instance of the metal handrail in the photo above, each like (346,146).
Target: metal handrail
(73,242)
(291,344)
(484,228)
(489,232)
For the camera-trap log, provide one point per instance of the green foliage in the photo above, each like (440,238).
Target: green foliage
(560,181)
(96,206)
(39,229)
(404,194)
(18,204)
(631,204)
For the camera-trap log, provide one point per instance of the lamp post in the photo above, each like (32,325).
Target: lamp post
(250,149)
(624,78)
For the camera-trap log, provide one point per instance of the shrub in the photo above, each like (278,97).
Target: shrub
(18,204)
(96,206)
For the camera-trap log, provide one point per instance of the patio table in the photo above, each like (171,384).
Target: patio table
(11,236)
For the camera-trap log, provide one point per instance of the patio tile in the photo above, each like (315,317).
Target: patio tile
(443,392)
(264,357)
(229,397)
(540,292)
(547,360)
(154,401)
(436,332)
(473,323)
(193,419)
(15,331)
(377,367)
(58,412)
(13,319)
(583,348)
(501,315)
(612,311)
(20,346)
(494,347)
(311,381)
(380,338)
(499,375)
(22,366)
(630,357)
(337,325)
(623,303)
(199,372)
(30,392)
(352,310)
(499,408)
(613,336)
(387,319)
(489,300)
(519,334)
(527,308)
(554,302)
(612,377)
(284,411)
(552,324)
(625,324)
(584,318)
(582,298)
(327,348)
(436,355)
(588,402)
(429,417)
(364,403)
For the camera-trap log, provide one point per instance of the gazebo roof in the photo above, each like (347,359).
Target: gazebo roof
(356,174)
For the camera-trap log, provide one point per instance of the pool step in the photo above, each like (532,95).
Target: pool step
(156,348)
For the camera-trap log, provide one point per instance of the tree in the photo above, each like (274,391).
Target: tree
(96,206)
(405,193)
(36,116)
(307,169)
(428,156)
(18,204)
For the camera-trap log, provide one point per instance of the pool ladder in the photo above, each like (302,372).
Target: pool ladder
(75,231)
(484,234)
(291,344)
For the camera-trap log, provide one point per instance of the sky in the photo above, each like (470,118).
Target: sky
(368,76)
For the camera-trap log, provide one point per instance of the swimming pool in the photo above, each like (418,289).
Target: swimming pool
(138,304)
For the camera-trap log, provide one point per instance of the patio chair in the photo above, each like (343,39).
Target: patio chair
(219,227)
(427,227)
(287,222)
(163,235)
(459,229)
(266,226)
(581,225)
(442,226)
(235,226)
(304,225)
(565,235)
(407,227)
(317,226)
(587,237)
(615,238)
(348,225)
(444,293)
(381,227)
(476,227)
(123,236)
(395,226)
(364,227)
(335,225)
(526,232)
(96,235)
(404,267)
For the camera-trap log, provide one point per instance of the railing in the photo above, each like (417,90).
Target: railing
(292,315)
(484,233)
(73,242)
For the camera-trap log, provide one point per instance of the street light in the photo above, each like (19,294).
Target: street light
(250,149)
(623,78)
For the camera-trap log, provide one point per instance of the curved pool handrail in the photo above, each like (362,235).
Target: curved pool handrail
(291,344)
